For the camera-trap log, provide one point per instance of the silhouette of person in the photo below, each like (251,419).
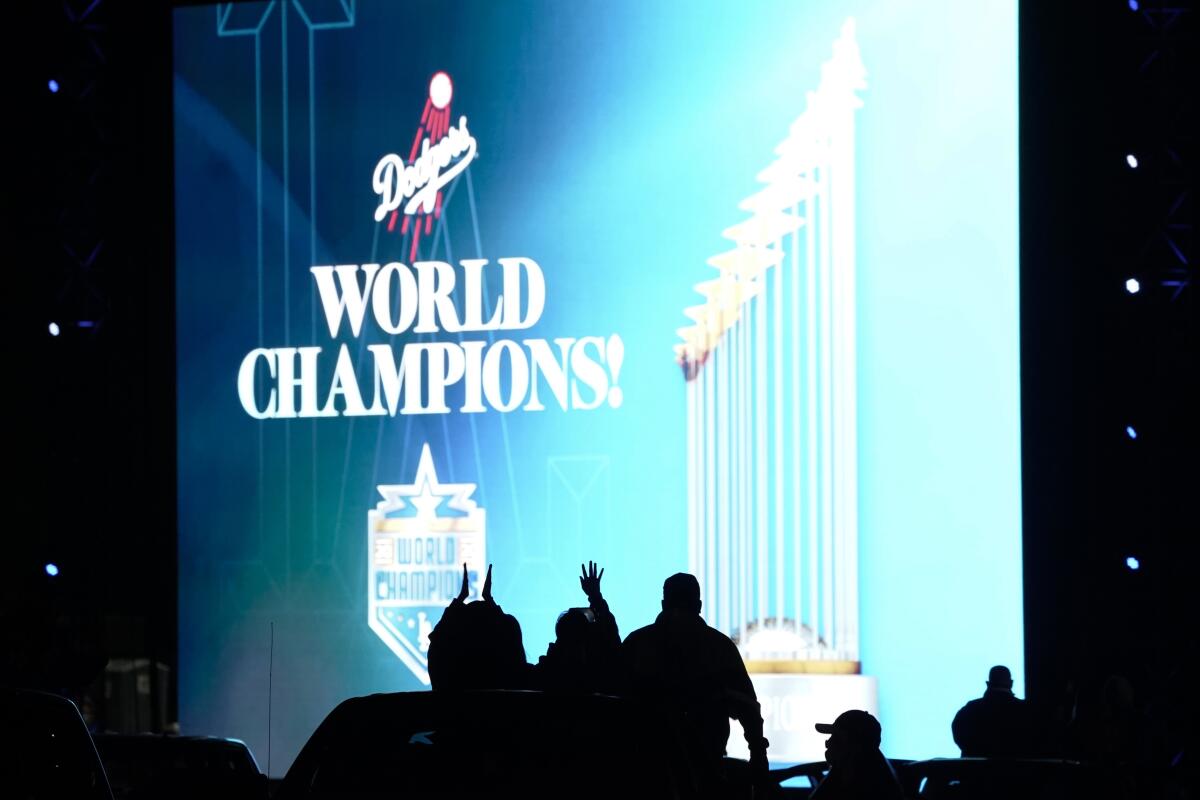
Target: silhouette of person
(1108,727)
(694,671)
(476,645)
(857,767)
(584,655)
(996,725)
(1123,734)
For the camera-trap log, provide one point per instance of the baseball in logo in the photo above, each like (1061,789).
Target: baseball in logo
(418,536)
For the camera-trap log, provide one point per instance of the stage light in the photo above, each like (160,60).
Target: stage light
(1131,160)
(1130,432)
(53,86)
(1132,286)
(1133,5)
(1132,563)
(54,329)
(52,569)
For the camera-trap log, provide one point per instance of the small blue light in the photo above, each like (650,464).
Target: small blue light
(1133,286)
(1132,563)
(53,86)
(1133,5)
(52,570)
(1130,432)
(1131,160)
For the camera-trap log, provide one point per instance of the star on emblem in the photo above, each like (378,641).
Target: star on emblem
(425,493)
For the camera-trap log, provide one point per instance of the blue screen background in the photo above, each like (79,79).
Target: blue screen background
(616,140)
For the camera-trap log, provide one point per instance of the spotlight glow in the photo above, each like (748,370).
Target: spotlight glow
(1132,286)
(1133,5)
(53,85)
(1130,432)
(1131,160)
(1132,563)
(54,329)
(52,569)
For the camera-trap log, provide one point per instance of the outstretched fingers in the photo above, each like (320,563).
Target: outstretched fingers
(589,580)
(466,586)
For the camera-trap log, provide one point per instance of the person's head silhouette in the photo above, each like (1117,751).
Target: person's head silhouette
(681,594)
(999,679)
(857,767)
(572,634)
(572,625)
(476,645)
(851,735)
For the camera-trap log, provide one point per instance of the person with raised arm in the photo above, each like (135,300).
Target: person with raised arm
(584,657)
(476,645)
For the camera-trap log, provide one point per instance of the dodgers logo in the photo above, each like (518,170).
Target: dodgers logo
(440,152)
(418,537)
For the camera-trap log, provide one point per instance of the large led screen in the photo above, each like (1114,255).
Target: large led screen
(721,288)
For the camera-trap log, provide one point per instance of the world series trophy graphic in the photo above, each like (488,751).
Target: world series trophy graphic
(418,538)
(769,361)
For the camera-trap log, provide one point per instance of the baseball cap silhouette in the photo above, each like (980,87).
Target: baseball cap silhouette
(999,678)
(858,726)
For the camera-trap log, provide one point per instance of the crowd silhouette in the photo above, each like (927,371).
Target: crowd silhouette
(694,675)
(678,664)
(692,678)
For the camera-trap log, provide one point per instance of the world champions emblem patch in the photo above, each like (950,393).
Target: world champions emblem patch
(418,537)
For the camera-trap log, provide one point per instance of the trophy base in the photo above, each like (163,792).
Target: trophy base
(769,666)
(795,701)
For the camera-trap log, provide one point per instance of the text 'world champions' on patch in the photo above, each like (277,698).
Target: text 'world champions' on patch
(418,538)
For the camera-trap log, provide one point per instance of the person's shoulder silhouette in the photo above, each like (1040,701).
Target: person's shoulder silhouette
(998,724)
(680,662)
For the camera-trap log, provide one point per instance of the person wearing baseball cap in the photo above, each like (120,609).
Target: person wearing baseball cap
(857,768)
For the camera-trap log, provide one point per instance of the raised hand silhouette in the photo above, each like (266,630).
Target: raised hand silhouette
(589,581)
(585,654)
(476,645)
(466,587)
(487,586)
